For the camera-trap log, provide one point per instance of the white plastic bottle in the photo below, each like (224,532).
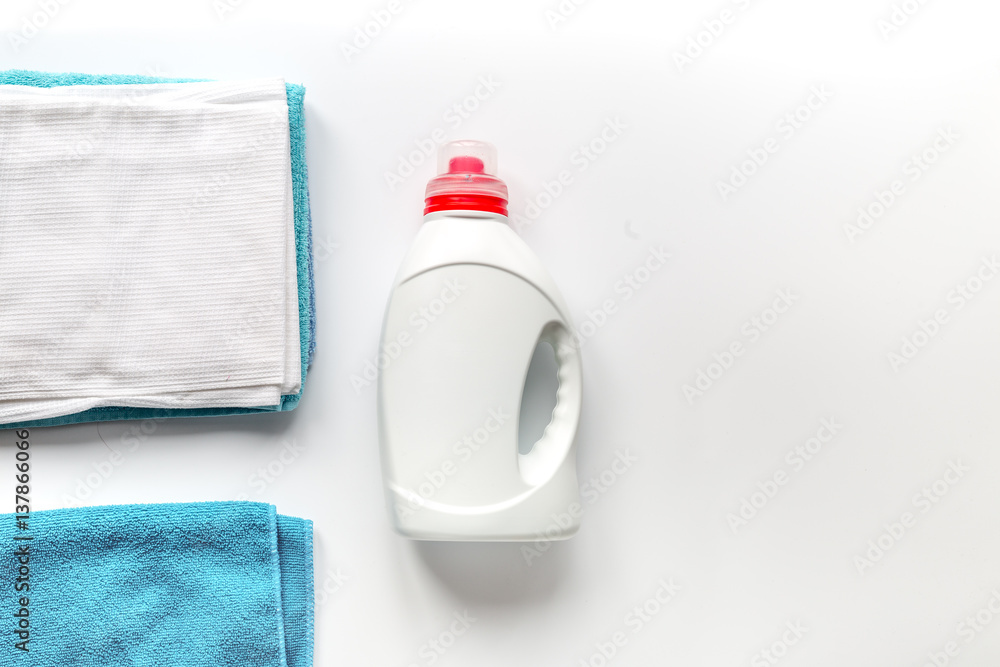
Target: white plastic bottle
(469,306)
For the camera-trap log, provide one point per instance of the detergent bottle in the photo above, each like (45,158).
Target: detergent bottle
(468,307)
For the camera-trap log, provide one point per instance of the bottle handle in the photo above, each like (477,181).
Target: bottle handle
(550,451)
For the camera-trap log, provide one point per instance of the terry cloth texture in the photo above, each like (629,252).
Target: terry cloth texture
(193,584)
(123,113)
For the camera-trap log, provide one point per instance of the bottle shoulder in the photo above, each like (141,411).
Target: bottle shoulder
(446,241)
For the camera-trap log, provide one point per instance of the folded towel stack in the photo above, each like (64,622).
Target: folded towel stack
(155,257)
(227,583)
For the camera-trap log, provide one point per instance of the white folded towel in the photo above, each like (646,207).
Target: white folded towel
(147,252)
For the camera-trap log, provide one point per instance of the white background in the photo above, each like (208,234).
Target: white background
(686,128)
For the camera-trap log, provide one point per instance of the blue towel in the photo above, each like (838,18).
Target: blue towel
(303,246)
(192,585)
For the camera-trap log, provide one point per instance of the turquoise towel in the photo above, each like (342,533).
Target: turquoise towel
(192,585)
(303,243)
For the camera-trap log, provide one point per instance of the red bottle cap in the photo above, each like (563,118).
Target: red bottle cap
(466,180)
